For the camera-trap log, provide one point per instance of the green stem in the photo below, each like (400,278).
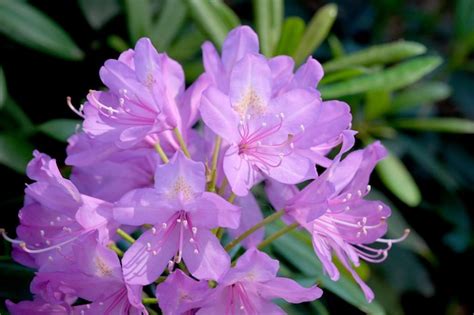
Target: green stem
(221,190)
(277,234)
(117,250)
(182,144)
(254,228)
(231,198)
(162,154)
(215,156)
(149,301)
(125,236)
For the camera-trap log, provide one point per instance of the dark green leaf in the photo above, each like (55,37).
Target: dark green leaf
(3,88)
(15,152)
(423,93)
(291,34)
(188,45)
(28,26)
(337,50)
(344,74)
(170,21)
(16,117)
(377,104)
(317,30)
(138,18)
(59,129)
(393,78)
(98,13)
(379,54)
(450,125)
(15,282)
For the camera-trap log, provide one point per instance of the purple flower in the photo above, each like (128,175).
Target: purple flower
(179,294)
(182,214)
(54,215)
(251,285)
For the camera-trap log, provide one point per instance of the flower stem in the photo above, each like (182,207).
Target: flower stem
(182,144)
(114,247)
(149,301)
(254,228)
(277,234)
(215,156)
(221,190)
(125,236)
(160,151)
(231,198)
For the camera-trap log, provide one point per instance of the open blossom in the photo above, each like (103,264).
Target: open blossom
(270,131)
(54,215)
(94,274)
(182,214)
(250,287)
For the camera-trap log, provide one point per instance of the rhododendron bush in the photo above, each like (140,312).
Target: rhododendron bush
(161,190)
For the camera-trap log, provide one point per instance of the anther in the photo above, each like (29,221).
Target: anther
(154,253)
(302,127)
(178,220)
(185,223)
(164,225)
(369,188)
(50,258)
(191,240)
(42,233)
(51,223)
(196,251)
(194,229)
(380,207)
(347,208)
(153,230)
(148,246)
(349,196)
(359,193)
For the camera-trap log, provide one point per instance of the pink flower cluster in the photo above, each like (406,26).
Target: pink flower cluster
(175,168)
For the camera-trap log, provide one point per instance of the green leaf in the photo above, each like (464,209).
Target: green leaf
(398,180)
(3,88)
(377,104)
(187,45)
(59,129)
(98,13)
(291,34)
(449,125)
(15,152)
(15,281)
(344,74)
(171,19)
(16,117)
(422,93)
(138,14)
(228,16)
(28,26)
(337,49)
(296,248)
(317,30)
(210,19)
(117,43)
(268,20)
(393,78)
(379,54)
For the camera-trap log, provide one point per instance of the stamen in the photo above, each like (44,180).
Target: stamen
(77,112)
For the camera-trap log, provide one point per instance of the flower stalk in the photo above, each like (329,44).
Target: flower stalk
(181,142)
(277,234)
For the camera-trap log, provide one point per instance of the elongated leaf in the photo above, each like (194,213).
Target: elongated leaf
(227,15)
(268,20)
(59,129)
(138,14)
(393,78)
(450,125)
(296,248)
(15,152)
(377,104)
(187,45)
(344,74)
(317,30)
(337,49)
(170,21)
(16,118)
(117,43)
(379,54)
(291,34)
(3,88)
(423,93)
(398,180)
(209,20)
(15,281)
(28,26)
(98,13)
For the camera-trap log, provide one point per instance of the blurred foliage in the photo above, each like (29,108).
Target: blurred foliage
(405,67)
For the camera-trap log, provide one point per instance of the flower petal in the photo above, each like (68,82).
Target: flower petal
(288,290)
(238,43)
(241,175)
(211,211)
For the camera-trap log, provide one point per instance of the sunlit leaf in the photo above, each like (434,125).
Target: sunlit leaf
(344,74)
(377,103)
(227,15)
(422,93)
(291,34)
(171,19)
(398,180)
(117,43)
(138,14)
(378,54)
(450,125)
(268,21)
(98,13)
(15,152)
(59,129)
(390,79)
(316,31)
(28,26)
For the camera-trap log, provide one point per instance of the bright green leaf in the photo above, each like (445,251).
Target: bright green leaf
(138,14)
(379,54)
(337,49)
(393,78)
(98,13)
(344,74)
(28,26)
(117,43)
(169,23)
(59,129)
(268,21)
(15,152)
(398,180)
(228,16)
(210,20)
(3,87)
(377,103)
(291,34)
(450,125)
(317,30)
(423,93)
